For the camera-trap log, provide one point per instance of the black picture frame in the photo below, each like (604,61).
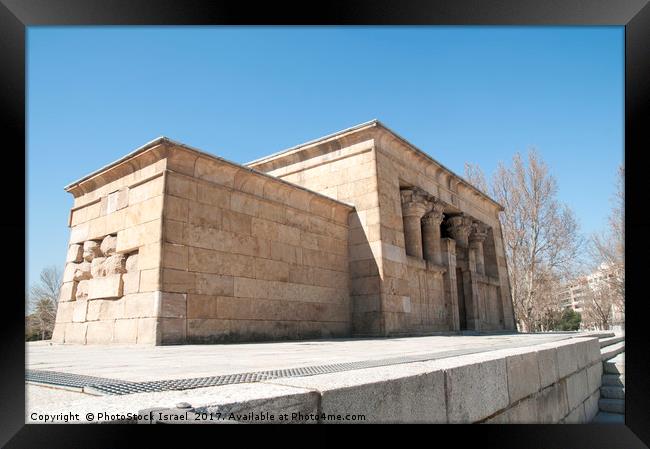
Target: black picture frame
(16,15)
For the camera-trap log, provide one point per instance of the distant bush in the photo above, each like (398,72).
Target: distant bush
(570,320)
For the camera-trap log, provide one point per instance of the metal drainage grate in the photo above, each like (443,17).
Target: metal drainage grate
(67,379)
(101,385)
(119,387)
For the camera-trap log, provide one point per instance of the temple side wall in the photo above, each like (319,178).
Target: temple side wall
(441,286)
(345,169)
(111,282)
(248,257)
(412,291)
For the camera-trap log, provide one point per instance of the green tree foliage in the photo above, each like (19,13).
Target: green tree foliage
(570,320)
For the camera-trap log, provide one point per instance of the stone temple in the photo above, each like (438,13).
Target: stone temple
(357,233)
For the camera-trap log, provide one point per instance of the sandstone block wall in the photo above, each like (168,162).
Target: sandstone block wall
(111,289)
(394,292)
(344,168)
(254,257)
(554,383)
(171,245)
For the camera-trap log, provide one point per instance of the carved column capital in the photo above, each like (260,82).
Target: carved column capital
(459,226)
(478,232)
(415,202)
(435,215)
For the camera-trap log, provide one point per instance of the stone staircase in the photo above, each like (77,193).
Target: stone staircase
(612,391)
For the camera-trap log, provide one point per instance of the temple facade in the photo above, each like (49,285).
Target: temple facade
(357,233)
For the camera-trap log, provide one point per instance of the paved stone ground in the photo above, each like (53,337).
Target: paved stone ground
(46,397)
(146,363)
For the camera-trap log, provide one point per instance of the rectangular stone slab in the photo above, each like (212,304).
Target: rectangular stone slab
(107,287)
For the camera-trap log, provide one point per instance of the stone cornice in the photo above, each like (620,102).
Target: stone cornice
(159,149)
(339,139)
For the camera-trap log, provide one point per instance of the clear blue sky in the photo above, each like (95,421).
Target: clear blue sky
(475,94)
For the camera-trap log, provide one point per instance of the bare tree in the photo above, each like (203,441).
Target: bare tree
(540,235)
(608,247)
(597,308)
(475,176)
(43,300)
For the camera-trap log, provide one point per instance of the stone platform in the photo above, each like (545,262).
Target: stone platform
(481,378)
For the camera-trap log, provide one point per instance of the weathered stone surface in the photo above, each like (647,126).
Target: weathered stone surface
(577,388)
(68,291)
(476,391)
(552,405)
(68,272)
(583,352)
(81,292)
(106,287)
(131,263)
(64,312)
(577,416)
(591,406)
(75,333)
(117,200)
(125,331)
(150,281)
(594,376)
(548,367)
(105,309)
(172,305)
(593,351)
(172,330)
(109,245)
(141,305)
(412,393)
(82,271)
(99,332)
(131,282)
(91,250)
(147,331)
(567,359)
(525,412)
(96,267)
(130,239)
(58,334)
(75,253)
(523,376)
(107,266)
(79,312)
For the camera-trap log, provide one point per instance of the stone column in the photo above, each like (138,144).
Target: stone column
(477,236)
(431,234)
(415,204)
(451,287)
(459,227)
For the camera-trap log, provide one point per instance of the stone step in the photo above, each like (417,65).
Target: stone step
(612,392)
(613,368)
(611,340)
(612,405)
(609,352)
(599,334)
(609,418)
(614,380)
